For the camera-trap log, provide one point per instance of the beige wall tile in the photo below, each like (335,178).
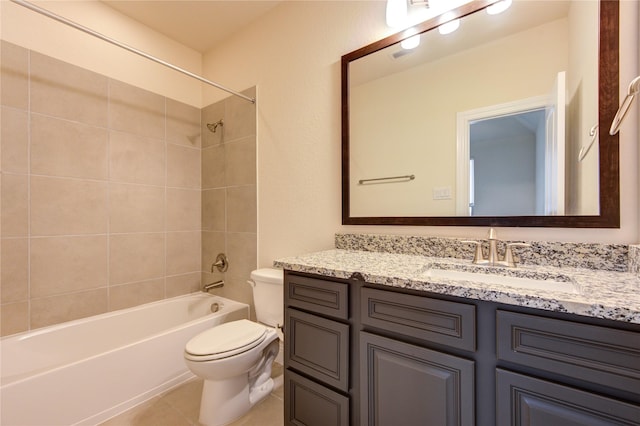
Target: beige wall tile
(136,159)
(14,275)
(14,207)
(241,209)
(14,134)
(240,117)
(67,307)
(67,206)
(213,167)
(241,252)
(63,90)
(183,252)
(136,111)
(65,148)
(183,124)
(214,207)
(14,75)
(240,162)
(183,209)
(178,285)
(136,208)
(14,318)
(136,257)
(238,289)
(67,264)
(183,166)
(212,114)
(128,295)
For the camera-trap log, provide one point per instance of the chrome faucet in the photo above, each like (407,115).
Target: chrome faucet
(494,258)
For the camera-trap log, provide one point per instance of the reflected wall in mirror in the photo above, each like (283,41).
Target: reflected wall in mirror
(488,120)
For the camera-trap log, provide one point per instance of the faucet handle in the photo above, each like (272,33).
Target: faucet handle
(478,256)
(508,253)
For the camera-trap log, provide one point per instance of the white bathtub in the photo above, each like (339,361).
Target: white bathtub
(88,370)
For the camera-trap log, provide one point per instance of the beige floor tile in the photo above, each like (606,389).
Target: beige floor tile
(186,399)
(181,406)
(155,412)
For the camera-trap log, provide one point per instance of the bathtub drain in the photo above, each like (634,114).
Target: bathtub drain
(215,307)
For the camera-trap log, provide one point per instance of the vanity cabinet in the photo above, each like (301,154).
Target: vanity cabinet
(365,354)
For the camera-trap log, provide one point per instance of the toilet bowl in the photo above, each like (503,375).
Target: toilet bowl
(235,358)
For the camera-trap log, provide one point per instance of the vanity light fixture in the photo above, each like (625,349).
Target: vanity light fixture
(634,89)
(499,7)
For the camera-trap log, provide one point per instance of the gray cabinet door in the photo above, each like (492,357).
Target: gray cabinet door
(525,401)
(405,385)
(309,404)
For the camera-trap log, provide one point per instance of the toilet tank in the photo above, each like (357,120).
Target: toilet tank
(268,295)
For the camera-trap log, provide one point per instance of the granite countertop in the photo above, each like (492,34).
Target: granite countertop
(601,294)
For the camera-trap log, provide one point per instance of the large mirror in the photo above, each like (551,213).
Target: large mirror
(483,126)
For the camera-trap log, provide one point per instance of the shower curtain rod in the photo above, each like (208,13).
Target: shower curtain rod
(89,31)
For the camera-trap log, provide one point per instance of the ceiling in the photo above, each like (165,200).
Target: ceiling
(199,25)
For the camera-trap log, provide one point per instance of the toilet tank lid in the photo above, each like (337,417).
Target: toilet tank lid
(270,275)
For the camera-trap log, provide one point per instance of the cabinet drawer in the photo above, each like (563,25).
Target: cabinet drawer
(439,321)
(602,355)
(310,404)
(318,347)
(322,296)
(523,400)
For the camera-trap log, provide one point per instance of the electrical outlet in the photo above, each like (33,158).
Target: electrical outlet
(442,193)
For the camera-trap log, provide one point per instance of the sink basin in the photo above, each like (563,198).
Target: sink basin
(506,280)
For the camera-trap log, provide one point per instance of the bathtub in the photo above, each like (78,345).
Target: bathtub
(88,370)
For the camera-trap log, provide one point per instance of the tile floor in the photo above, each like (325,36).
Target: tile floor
(180,406)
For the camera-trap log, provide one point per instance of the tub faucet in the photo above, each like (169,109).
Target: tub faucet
(494,257)
(216,284)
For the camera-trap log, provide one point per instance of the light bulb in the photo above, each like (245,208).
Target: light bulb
(449,27)
(411,42)
(396,13)
(499,7)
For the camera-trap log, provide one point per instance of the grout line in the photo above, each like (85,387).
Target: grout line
(29,313)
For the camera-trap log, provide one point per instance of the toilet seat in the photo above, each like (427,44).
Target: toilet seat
(225,340)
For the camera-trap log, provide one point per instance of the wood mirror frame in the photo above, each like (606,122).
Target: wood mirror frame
(609,174)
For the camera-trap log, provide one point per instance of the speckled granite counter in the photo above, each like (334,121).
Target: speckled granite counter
(602,294)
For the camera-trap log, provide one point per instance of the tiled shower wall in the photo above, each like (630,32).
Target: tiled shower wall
(229,211)
(101,194)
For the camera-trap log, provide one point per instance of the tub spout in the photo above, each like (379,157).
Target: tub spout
(216,284)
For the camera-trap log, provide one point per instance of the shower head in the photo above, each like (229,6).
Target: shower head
(213,126)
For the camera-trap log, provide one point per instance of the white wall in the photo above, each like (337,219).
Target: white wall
(33,31)
(293,56)
(582,83)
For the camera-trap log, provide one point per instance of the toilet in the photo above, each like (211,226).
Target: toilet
(235,358)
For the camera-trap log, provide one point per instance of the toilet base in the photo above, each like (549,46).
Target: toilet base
(224,401)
